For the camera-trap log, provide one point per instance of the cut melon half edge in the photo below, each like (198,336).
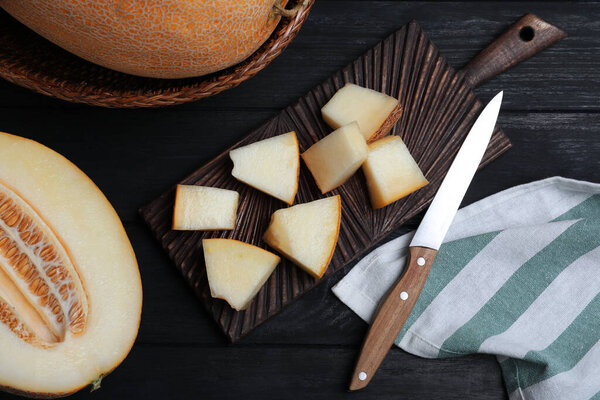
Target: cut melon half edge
(70,289)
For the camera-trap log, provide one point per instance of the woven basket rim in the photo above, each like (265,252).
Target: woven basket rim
(158,92)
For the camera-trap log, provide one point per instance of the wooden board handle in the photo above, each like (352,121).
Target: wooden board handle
(391,315)
(528,36)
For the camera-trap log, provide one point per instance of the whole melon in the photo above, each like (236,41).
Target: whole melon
(153,38)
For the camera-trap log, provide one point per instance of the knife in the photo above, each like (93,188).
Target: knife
(401,298)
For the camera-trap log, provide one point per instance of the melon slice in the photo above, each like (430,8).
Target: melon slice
(236,270)
(307,233)
(336,157)
(202,208)
(271,166)
(376,113)
(70,290)
(391,171)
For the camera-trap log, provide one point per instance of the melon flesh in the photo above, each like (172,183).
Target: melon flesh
(236,270)
(70,290)
(336,157)
(307,233)
(374,112)
(391,171)
(204,208)
(271,166)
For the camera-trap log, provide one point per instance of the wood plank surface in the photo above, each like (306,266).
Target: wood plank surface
(339,31)
(551,115)
(290,372)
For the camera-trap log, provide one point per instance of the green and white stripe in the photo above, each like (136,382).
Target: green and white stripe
(518,277)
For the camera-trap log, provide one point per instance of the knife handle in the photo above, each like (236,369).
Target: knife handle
(392,314)
(526,37)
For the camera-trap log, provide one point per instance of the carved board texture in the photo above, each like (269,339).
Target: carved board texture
(439,109)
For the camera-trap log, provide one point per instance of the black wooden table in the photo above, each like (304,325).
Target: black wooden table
(551,114)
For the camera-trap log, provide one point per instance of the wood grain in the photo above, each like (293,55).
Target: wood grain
(391,315)
(332,37)
(439,109)
(282,373)
(528,36)
(388,124)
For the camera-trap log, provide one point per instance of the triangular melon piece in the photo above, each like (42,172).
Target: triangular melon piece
(307,233)
(271,166)
(236,270)
(376,113)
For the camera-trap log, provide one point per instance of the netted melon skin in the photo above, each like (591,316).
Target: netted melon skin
(152,38)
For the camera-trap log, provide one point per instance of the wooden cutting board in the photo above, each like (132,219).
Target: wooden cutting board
(439,109)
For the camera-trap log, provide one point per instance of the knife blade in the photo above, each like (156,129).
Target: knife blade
(401,298)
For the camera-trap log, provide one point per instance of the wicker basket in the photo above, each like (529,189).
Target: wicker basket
(29,60)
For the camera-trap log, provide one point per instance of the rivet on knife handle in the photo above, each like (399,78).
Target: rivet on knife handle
(391,315)
(525,38)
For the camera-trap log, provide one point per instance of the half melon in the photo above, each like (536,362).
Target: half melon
(70,290)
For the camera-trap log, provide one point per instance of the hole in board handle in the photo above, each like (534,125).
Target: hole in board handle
(527,33)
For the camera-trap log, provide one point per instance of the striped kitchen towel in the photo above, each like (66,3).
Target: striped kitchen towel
(519,277)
